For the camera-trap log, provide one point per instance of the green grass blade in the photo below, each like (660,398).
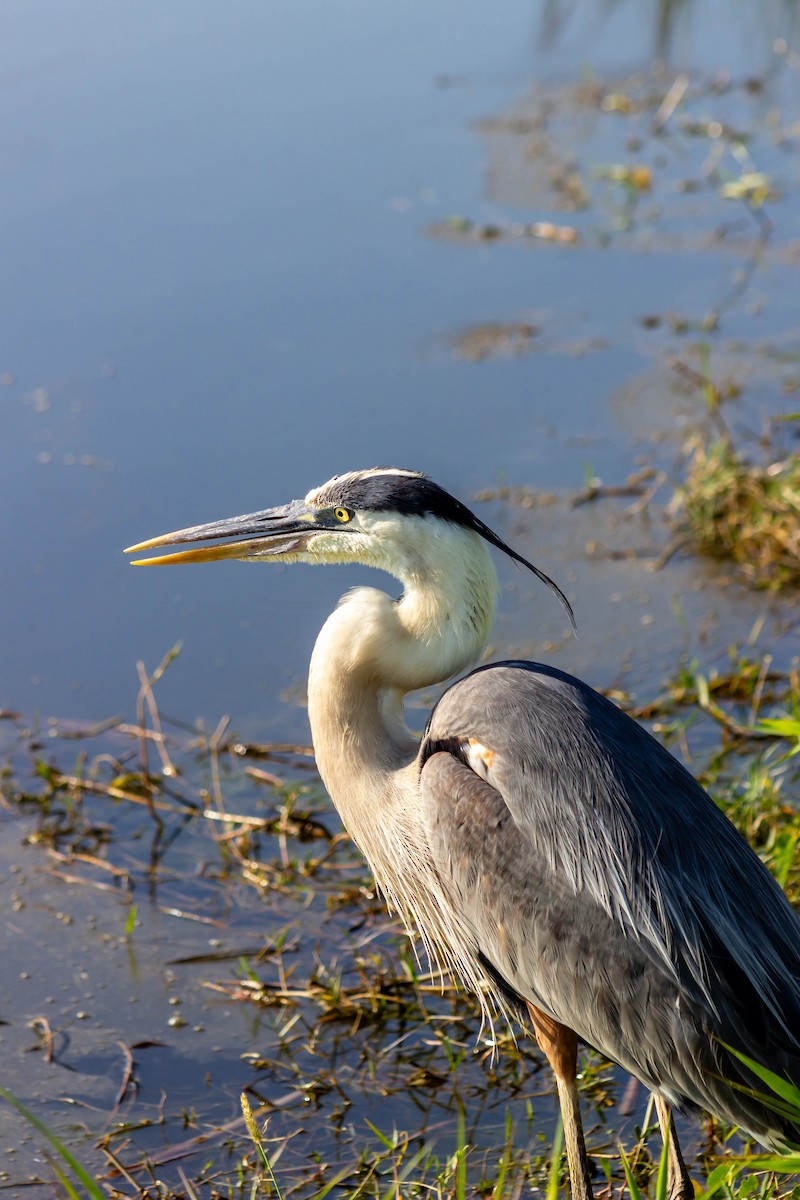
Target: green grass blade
(76,1167)
(780,726)
(413,1162)
(388,1143)
(787,1091)
(505,1159)
(786,849)
(781,1164)
(334,1182)
(554,1178)
(68,1189)
(461,1155)
(663,1162)
(130,924)
(633,1187)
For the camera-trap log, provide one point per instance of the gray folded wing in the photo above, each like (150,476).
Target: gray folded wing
(598,880)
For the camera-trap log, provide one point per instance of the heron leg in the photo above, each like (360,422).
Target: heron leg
(679,1185)
(561,1047)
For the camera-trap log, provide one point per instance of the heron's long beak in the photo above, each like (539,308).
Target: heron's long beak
(273,533)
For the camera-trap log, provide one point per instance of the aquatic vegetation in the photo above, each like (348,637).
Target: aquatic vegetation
(749,511)
(352,1088)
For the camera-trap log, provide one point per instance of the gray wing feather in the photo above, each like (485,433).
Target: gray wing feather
(601,882)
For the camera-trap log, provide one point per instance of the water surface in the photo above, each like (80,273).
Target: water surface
(231,270)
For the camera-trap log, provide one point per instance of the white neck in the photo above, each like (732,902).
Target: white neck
(372,651)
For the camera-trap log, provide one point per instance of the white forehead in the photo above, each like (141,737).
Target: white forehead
(350,477)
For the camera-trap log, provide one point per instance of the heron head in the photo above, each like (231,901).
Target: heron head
(397,520)
(341,521)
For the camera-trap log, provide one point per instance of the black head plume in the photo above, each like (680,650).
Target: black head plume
(389,489)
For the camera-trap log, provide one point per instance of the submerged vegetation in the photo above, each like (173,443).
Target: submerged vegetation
(368,1076)
(361,1073)
(206,881)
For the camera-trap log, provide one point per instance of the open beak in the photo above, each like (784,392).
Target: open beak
(273,533)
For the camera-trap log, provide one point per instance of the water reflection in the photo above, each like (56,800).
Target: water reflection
(220,287)
(673,23)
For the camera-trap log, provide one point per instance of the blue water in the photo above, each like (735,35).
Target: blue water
(218,290)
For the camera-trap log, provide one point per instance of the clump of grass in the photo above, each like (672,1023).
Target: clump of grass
(356,1021)
(730,508)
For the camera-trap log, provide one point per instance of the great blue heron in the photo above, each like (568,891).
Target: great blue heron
(548,850)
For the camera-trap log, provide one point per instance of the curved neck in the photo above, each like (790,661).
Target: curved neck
(372,651)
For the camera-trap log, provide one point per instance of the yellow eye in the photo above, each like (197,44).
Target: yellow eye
(342,514)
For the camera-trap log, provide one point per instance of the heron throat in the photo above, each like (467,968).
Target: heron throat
(373,650)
